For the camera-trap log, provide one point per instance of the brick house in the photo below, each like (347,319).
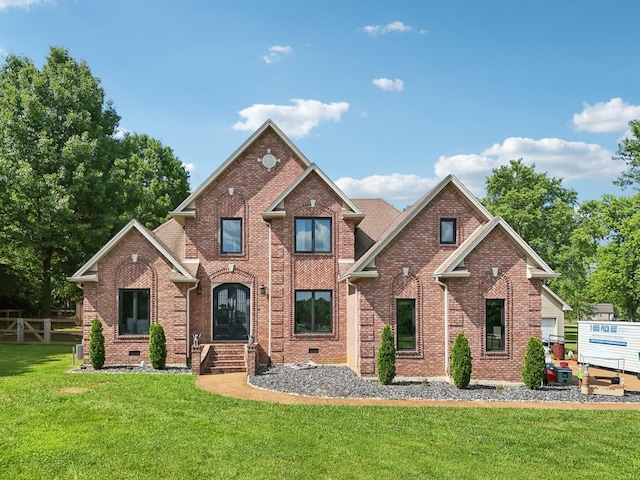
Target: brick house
(268,261)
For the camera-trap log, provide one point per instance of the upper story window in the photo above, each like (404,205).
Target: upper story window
(313,235)
(231,235)
(448,231)
(133,311)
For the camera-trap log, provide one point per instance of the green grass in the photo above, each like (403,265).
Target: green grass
(55,425)
(571,338)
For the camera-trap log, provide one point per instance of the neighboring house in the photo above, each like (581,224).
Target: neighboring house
(602,312)
(269,256)
(553,308)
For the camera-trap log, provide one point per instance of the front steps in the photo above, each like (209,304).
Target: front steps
(225,358)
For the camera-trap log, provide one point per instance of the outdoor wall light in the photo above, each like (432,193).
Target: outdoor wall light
(231,190)
(262,289)
(312,202)
(134,257)
(405,271)
(494,271)
(199,288)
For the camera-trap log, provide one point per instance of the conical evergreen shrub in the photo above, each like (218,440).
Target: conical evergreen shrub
(386,361)
(96,344)
(157,347)
(461,361)
(534,366)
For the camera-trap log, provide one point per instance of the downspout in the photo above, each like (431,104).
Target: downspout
(189,290)
(356,319)
(269,294)
(446,324)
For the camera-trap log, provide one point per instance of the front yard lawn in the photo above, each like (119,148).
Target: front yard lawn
(132,426)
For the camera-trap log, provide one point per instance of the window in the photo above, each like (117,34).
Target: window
(133,315)
(495,324)
(313,311)
(313,235)
(448,230)
(231,241)
(406,321)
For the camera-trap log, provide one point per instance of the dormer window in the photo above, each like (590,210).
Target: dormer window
(448,231)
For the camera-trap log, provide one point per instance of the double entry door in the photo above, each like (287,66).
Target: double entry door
(231,312)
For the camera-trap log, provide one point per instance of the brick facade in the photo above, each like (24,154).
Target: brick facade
(267,197)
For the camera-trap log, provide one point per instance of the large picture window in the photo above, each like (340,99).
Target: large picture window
(448,230)
(406,323)
(313,235)
(231,235)
(495,324)
(313,311)
(134,308)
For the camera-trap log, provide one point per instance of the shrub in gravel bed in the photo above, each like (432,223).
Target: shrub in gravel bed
(534,364)
(461,364)
(386,357)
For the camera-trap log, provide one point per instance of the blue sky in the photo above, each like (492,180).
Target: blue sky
(385,97)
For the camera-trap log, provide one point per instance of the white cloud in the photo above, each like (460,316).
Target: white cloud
(397,188)
(276,52)
(396,26)
(389,85)
(559,158)
(5,4)
(612,116)
(121,133)
(189,167)
(295,120)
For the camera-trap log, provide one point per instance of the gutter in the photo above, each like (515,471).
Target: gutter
(269,293)
(446,324)
(189,290)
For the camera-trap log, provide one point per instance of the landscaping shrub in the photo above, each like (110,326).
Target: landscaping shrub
(96,344)
(534,366)
(386,362)
(157,347)
(461,364)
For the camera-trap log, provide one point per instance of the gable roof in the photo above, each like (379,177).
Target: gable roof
(187,207)
(359,267)
(349,209)
(550,293)
(89,271)
(379,215)
(451,267)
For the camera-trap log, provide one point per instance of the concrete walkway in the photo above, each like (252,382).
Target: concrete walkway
(235,385)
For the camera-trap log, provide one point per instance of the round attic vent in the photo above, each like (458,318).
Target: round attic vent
(269,161)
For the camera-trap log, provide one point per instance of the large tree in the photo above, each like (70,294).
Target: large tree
(629,152)
(153,180)
(536,206)
(616,275)
(66,182)
(55,132)
(543,212)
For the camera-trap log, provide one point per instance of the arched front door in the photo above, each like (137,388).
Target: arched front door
(231,312)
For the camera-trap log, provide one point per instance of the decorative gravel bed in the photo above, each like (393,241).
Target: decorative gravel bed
(336,381)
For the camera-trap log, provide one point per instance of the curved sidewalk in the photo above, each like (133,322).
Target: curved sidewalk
(235,385)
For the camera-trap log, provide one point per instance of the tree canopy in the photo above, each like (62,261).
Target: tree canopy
(62,193)
(629,152)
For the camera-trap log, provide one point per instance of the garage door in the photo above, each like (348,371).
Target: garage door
(548,328)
